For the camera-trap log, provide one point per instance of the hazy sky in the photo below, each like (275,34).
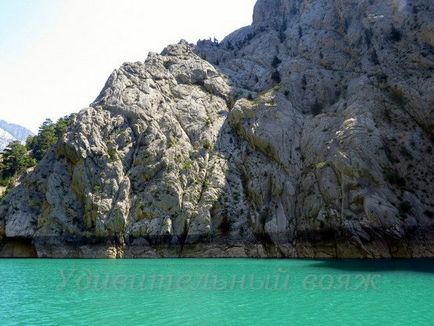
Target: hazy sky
(55,55)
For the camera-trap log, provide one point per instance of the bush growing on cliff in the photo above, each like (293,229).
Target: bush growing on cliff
(275,76)
(394,178)
(48,135)
(44,140)
(303,82)
(276,62)
(395,34)
(374,58)
(14,160)
(316,108)
(405,208)
(17,158)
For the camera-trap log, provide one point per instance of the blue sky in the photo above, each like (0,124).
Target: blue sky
(55,55)
(22,22)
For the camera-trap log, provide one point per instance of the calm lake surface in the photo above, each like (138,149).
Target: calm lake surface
(216,292)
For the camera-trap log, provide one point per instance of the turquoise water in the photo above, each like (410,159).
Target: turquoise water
(216,292)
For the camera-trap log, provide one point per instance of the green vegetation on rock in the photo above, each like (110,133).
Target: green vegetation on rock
(48,135)
(14,160)
(17,158)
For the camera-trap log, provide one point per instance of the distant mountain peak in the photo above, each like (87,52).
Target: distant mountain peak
(10,132)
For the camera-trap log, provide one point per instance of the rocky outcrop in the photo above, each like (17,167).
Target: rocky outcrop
(307,134)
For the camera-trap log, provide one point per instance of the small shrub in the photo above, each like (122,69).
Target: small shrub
(374,58)
(395,34)
(205,184)
(394,178)
(207,145)
(405,207)
(275,76)
(276,62)
(316,108)
(172,143)
(304,82)
(321,165)
(187,165)
(382,78)
(113,154)
(397,96)
(96,189)
(405,152)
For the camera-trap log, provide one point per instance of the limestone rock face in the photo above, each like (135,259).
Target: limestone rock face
(307,134)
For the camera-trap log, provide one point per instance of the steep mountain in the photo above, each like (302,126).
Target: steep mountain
(10,132)
(309,133)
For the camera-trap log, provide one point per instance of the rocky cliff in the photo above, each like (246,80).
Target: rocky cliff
(309,133)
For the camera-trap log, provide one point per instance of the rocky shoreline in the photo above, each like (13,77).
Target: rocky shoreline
(217,248)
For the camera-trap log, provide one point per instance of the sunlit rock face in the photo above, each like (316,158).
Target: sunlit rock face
(307,134)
